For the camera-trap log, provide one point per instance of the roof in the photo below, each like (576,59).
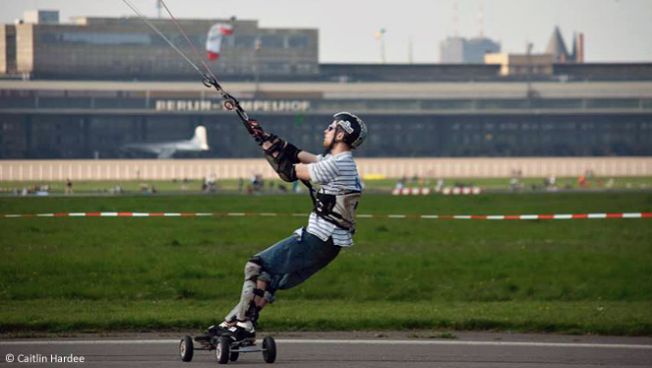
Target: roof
(362,90)
(557,47)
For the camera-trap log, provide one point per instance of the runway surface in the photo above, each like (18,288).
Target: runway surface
(404,350)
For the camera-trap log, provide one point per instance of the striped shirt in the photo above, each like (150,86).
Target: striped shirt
(336,175)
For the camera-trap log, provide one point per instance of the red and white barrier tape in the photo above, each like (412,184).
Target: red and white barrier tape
(574,216)
(444,191)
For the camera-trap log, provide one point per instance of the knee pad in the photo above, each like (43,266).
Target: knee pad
(252,270)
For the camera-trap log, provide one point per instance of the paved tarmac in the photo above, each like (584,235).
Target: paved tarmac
(364,349)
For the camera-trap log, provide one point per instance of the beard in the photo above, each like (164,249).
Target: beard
(327,142)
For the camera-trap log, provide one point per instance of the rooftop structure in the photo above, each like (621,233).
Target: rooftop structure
(557,48)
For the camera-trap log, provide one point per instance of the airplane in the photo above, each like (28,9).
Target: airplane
(197,143)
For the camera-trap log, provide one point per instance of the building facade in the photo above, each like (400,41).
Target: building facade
(7,49)
(41,119)
(125,48)
(527,65)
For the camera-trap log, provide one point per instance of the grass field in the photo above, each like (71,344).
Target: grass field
(376,185)
(96,274)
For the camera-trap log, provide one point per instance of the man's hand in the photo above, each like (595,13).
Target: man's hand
(256,130)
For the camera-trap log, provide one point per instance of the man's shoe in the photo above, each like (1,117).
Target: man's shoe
(218,330)
(244,331)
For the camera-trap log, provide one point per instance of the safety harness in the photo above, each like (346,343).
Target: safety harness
(338,209)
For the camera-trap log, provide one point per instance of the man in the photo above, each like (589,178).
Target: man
(331,224)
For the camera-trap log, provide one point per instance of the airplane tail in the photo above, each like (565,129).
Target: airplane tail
(200,139)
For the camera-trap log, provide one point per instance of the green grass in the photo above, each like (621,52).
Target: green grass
(381,185)
(581,276)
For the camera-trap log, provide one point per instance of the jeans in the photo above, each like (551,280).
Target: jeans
(294,259)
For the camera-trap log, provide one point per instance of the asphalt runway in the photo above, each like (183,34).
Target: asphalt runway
(466,350)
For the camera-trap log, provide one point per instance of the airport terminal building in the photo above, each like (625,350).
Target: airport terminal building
(89,88)
(84,119)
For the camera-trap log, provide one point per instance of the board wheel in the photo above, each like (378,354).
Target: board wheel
(186,348)
(222,350)
(269,349)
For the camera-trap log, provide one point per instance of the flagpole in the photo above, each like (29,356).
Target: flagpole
(380,36)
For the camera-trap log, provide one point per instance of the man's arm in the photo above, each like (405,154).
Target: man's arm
(306,157)
(320,172)
(302,171)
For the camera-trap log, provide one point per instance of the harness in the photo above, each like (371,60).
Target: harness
(338,209)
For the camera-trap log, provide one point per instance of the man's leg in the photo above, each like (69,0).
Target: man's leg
(243,310)
(259,285)
(261,301)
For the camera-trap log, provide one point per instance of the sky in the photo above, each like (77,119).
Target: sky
(614,30)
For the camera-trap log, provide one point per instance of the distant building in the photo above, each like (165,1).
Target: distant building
(557,48)
(459,50)
(7,49)
(530,64)
(87,119)
(41,17)
(522,64)
(126,48)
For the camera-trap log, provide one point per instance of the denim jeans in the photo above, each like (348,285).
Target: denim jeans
(294,259)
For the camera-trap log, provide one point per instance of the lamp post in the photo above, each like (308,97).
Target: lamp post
(257,48)
(528,71)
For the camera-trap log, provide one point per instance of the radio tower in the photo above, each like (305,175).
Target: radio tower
(456,19)
(158,8)
(480,20)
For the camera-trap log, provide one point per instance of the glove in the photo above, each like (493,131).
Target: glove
(282,156)
(256,130)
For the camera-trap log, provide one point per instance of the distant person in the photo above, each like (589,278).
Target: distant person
(68,189)
(240,184)
(400,184)
(331,224)
(440,185)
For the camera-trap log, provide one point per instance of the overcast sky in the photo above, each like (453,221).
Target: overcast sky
(614,30)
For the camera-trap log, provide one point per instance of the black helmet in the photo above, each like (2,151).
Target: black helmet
(353,126)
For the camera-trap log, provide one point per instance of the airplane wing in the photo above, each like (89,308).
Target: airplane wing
(166,152)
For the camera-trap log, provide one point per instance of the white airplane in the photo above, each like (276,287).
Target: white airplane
(197,143)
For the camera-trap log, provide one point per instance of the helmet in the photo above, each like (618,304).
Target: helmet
(353,126)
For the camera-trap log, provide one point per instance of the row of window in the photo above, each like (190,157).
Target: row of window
(272,41)
(42,136)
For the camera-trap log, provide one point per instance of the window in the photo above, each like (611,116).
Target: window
(245,42)
(298,41)
(95,38)
(272,42)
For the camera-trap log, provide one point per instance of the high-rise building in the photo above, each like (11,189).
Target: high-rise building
(456,50)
